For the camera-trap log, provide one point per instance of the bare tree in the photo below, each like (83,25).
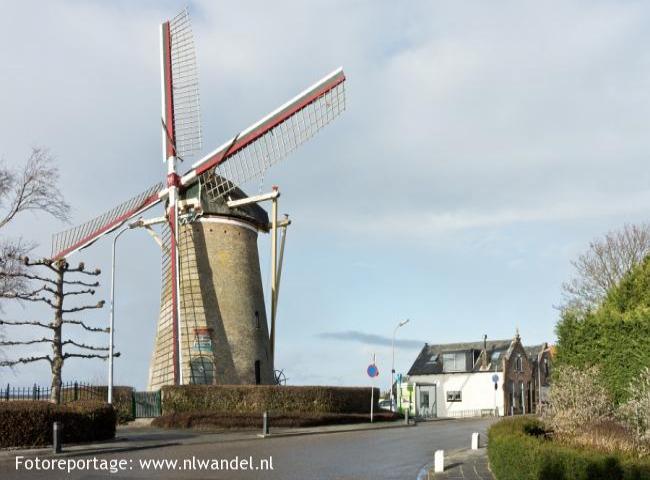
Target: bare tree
(55,289)
(32,188)
(603,265)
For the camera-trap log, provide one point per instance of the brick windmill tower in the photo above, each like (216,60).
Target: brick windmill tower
(213,325)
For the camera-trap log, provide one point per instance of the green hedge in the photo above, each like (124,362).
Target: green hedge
(122,401)
(272,398)
(615,336)
(29,423)
(519,450)
(203,421)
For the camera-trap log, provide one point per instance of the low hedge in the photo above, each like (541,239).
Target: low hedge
(519,449)
(210,420)
(29,423)
(255,399)
(122,401)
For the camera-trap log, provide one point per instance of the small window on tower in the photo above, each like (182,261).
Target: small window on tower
(257,319)
(258,373)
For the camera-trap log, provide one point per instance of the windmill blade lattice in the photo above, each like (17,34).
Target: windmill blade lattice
(68,241)
(185,82)
(253,151)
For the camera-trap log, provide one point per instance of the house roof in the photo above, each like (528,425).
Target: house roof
(429,361)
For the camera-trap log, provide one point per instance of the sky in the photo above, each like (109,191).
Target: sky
(484,145)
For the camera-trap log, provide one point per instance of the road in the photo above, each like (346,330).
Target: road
(395,453)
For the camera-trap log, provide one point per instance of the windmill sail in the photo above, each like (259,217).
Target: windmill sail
(185,87)
(69,241)
(254,150)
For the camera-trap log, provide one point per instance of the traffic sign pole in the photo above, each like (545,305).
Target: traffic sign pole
(372,372)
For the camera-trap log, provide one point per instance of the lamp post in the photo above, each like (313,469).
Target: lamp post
(112,320)
(392,370)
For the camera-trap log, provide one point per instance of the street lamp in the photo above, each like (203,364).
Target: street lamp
(112,321)
(392,370)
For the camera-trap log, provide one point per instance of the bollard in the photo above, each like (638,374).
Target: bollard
(265,424)
(476,438)
(406,416)
(439,461)
(56,437)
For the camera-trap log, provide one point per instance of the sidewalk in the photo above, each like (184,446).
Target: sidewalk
(465,465)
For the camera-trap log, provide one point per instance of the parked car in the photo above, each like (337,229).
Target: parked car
(384,404)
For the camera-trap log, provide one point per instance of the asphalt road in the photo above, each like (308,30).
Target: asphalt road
(396,453)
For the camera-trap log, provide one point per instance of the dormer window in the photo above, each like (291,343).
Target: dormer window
(454,362)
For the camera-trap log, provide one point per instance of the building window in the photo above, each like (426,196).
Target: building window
(424,399)
(454,396)
(519,364)
(454,362)
(257,319)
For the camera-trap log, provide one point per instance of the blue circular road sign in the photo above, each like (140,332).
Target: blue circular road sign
(372,370)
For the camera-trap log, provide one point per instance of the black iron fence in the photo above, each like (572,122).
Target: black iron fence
(70,392)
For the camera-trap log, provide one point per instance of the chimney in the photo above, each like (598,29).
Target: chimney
(484,362)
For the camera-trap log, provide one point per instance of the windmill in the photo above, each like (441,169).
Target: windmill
(212,326)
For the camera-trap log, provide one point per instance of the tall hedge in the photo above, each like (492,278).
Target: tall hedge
(616,336)
(259,398)
(519,450)
(29,423)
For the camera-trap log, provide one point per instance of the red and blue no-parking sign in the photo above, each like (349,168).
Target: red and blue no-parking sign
(372,370)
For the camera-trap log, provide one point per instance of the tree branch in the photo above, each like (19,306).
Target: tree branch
(79,282)
(82,345)
(26,342)
(90,329)
(100,304)
(29,322)
(12,363)
(89,355)
(35,188)
(80,292)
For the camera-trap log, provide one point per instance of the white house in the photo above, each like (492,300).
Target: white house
(475,379)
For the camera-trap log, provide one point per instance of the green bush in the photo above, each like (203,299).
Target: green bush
(518,449)
(29,423)
(122,401)
(615,336)
(210,420)
(256,399)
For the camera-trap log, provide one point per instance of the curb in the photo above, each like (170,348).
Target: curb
(344,430)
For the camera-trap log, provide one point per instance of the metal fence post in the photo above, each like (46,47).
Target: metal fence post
(76,391)
(34,392)
(7,393)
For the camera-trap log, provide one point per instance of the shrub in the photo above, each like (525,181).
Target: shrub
(636,411)
(29,423)
(256,399)
(577,400)
(211,420)
(517,455)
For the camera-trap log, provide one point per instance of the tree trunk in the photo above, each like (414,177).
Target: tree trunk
(57,347)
